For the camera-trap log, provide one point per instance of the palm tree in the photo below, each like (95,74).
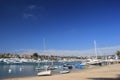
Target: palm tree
(118,53)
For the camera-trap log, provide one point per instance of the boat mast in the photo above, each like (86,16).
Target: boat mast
(95,48)
(44,49)
(43,44)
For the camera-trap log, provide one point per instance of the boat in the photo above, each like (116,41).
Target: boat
(64,71)
(80,65)
(44,73)
(37,68)
(93,62)
(45,67)
(67,66)
(51,68)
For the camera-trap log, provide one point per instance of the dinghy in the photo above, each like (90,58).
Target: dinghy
(64,71)
(44,73)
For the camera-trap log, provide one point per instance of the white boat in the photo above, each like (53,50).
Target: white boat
(44,73)
(64,71)
(93,61)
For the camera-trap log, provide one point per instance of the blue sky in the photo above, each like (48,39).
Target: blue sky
(65,24)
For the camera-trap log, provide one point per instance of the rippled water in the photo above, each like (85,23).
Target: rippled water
(17,70)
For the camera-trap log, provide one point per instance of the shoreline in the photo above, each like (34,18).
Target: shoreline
(105,72)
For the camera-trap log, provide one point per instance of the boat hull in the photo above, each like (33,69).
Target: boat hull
(44,73)
(64,72)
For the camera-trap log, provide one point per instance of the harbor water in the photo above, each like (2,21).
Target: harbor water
(26,69)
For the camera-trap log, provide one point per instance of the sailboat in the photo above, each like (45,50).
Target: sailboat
(46,72)
(51,67)
(94,61)
(40,67)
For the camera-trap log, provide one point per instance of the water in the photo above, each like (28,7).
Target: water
(23,70)
(17,70)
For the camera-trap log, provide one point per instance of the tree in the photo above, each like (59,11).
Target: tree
(118,53)
(35,55)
